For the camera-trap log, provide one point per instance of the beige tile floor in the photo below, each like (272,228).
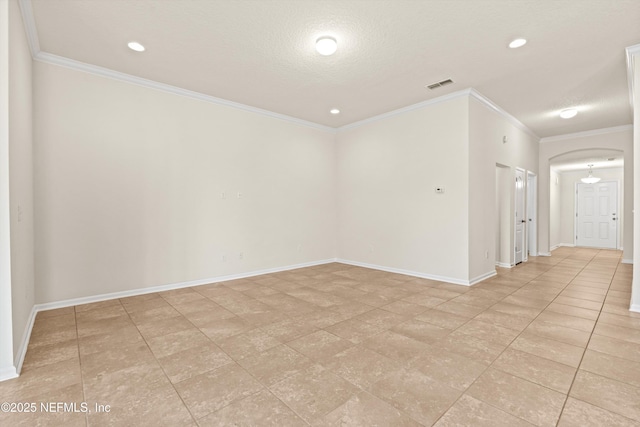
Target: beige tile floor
(550,342)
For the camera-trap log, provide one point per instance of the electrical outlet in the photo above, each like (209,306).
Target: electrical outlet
(223,195)
(224,258)
(241,256)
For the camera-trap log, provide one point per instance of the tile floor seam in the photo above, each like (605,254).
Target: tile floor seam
(509,345)
(491,364)
(579,267)
(232,360)
(265,387)
(635,422)
(162,368)
(607,376)
(586,347)
(84,398)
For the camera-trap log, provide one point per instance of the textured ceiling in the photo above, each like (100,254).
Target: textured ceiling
(261,52)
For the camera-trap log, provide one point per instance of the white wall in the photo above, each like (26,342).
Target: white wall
(21,178)
(619,138)
(129,181)
(635,191)
(555,211)
(388,212)
(16,190)
(7,369)
(568,198)
(486,131)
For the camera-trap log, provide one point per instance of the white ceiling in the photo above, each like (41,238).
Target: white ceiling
(261,52)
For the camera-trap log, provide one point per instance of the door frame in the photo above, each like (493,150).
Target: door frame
(513,221)
(532,214)
(504,224)
(575,212)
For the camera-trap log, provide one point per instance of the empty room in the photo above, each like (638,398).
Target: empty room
(319,213)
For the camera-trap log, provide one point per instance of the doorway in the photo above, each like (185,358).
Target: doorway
(503,222)
(520,221)
(597,215)
(532,217)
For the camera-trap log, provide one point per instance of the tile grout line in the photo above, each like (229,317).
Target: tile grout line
(84,395)
(265,387)
(156,359)
(516,337)
(585,347)
(202,373)
(498,356)
(585,351)
(255,326)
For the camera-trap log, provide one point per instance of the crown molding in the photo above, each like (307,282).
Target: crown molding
(465,92)
(139,81)
(407,109)
(496,109)
(631,52)
(587,133)
(38,55)
(26,11)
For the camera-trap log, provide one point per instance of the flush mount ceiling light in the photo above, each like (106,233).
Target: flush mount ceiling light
(517,43)
(590,179)
(326,45)
(135,46)
(334,111)
(568,113)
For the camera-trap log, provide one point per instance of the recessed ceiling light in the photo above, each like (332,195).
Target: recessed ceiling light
(517,43)
(568,113)
(326,45)
(136,46)
(334,111)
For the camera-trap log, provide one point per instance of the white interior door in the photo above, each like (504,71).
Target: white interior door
(597,215)
(532,218)
(520,220)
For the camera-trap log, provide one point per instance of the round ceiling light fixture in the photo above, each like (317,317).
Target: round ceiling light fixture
(326,45)
(334,111)
(590,179)
(568,113)
(517,43)
(135,46)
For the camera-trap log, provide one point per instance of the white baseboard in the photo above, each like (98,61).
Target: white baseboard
(504,265)
(172,286)
(482,277)
(635,308)
(24,343)
(562,245)
(421,275)
(14,371)
(8,373)
(627,261)
(544,253)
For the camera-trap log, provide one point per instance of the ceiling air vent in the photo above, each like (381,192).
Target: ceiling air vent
(439,84)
